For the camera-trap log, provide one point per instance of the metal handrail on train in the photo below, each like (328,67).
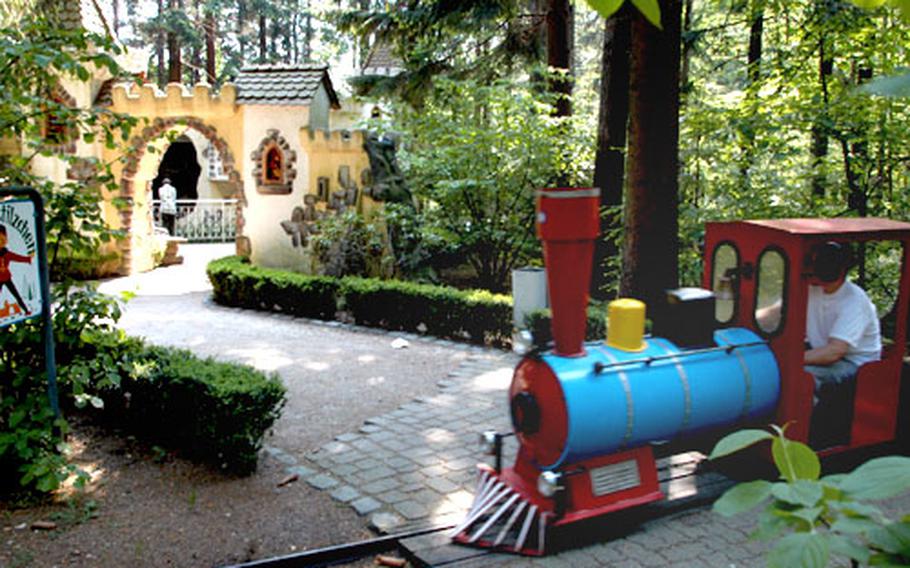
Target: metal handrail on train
(600,367)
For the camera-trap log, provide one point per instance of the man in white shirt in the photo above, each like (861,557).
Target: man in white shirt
(842,331)
(167,193)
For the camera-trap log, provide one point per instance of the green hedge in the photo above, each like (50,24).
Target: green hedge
(237,283)
(477,315)
(538,323)
(208,410)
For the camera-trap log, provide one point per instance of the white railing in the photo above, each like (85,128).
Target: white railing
(203,220)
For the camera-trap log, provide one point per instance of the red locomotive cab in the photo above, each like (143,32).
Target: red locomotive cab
(760,273)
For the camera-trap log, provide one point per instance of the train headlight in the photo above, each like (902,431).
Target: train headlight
(488,442)
(548,483)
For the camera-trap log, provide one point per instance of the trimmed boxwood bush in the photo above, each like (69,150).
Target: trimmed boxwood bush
(213,411)
(237,283)
(208,410)
(477,315)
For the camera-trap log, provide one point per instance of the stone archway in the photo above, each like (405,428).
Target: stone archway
(137,149)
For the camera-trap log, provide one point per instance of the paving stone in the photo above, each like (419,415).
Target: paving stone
(365,445)
(349,437)
(367,463)
(395,444)
(335,447)
(300,470)
(441,485)
(281,455)
(365,505)
(460,464)
(322,481)
(435,470)
(380,485)
(393,496)
(345,493)
(411,510)
(347,457)
(344,469)
(385,522)
(376,473)
(427,459)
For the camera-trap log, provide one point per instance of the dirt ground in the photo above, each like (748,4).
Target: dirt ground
(145,507)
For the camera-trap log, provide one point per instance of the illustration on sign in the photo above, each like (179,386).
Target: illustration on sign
(20,296)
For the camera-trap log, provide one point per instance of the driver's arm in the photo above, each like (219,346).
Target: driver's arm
(827,354)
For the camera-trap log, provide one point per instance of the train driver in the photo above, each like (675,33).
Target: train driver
(842,328)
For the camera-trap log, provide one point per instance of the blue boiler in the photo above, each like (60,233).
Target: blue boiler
(661,393)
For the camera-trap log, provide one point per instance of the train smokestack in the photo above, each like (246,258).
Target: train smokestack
(568,223)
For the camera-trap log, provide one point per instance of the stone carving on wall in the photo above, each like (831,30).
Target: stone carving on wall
(386,183)
(303,221)
(346,197)
(273,165)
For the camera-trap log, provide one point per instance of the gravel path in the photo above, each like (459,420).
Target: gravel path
(146,508)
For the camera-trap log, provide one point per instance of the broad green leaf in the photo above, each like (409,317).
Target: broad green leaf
(96,402)
(737,441)
(605,8)
(879,478)
(742,497)
(650,9)
(853,525)
(802,492)
(800,550)
(904,7)
(809,515)
(795,460)
(856,509)
(893,538)
(848,547)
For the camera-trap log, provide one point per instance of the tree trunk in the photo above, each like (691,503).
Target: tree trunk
(559,55)
(115,22)
(263,39)
(820,132)
(210,47)
(308,34)
(686,49)
(174,64)
(650,253)
(609,159)
(756,30)
(241,29)
(159,46)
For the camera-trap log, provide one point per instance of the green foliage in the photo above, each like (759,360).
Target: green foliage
(816,518)
(235,282)
(538,323)
(213,411)
(347,244)
(477,315)
(474,156)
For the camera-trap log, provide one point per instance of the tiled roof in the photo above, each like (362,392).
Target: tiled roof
(382,57)
(283,85)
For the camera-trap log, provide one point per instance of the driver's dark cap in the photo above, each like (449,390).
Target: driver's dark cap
(829,261)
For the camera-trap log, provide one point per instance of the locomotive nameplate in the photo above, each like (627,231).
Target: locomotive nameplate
(615,477)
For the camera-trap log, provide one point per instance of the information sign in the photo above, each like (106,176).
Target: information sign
(20,278)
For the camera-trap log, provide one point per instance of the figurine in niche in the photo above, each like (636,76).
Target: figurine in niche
(273,169)
(345,197)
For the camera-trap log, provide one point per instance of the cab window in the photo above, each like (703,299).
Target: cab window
(770,303)
(724,267)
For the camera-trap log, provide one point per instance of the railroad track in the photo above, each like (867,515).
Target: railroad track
(683,479)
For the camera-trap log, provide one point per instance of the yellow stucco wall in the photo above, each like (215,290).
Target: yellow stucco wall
(163,116)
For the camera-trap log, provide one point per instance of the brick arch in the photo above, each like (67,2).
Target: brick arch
(136,151)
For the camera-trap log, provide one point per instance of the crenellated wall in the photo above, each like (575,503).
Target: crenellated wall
(164,115)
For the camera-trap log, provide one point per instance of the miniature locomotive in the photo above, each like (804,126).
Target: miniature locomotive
(586,414)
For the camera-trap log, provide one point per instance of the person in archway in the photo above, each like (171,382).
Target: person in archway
(168,195)
(842,333)
(6,278)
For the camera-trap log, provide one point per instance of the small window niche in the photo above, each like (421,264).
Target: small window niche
(273,165)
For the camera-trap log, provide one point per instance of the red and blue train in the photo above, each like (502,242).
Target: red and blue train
(586,415)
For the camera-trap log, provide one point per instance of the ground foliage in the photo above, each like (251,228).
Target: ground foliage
(816,519)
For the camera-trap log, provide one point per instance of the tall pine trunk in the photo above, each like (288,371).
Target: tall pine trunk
(820,132)
(559,55)
(650,252)
(609,159)
(159,46)
(263,39)
(174,64)
(210,47)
